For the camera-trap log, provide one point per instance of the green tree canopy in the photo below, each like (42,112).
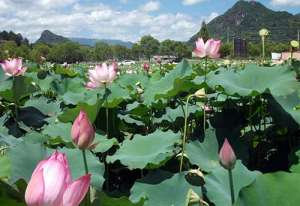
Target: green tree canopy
(149,46)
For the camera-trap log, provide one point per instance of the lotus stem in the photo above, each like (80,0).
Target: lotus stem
(88,198)
(15,98)
(106,109)
(205,68)
(184,131)
(231,186)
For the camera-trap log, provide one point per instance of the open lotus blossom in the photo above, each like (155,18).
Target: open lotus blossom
(102,75)
(227,156)
(82,131)
(51,184)
(13,67)
(208,49)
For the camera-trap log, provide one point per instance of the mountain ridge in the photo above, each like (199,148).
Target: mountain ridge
(49,37)
(246,18)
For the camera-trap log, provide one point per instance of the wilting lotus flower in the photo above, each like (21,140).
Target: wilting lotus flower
(146,67)
(227,156)
(83,132)
(13,67)
(101,75)
(51,184)
(209,49)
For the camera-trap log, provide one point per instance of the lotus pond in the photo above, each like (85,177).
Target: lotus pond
(158,135)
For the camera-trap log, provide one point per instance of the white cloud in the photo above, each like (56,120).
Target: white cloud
(285,2)
(151,6)
(95,21)
(191,2)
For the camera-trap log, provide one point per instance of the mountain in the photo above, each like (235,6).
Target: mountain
(246,18)
(92,42)
(49,37)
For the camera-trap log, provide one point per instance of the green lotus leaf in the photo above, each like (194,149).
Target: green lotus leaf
(149,151)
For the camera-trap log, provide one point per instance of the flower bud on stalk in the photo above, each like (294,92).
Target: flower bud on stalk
(227,156)
(83,132)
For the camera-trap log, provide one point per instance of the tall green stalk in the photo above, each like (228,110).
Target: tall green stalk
(205,68)
(88,198)
(184,132)
(15,98)
(106,109)
(231,186)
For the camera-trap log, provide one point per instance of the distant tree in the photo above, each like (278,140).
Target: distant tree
(121,52)
(103,51)
(204,33)
(182,50)
(226,49)
(9,49)
(149,46)
(136,51)
(167,47)
(39,51)
(66,52)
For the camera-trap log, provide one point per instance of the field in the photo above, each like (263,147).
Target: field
(157,132)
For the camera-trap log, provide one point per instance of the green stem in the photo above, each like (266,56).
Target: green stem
(88,198)
(184,132)
(15,98)
(204,120)
(205,68)
(231,186)
(106,109)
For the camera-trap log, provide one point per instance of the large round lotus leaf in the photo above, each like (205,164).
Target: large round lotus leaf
(117,95)
(255,80)
(204,154)
(274,189)
(289,104)
(146,151)
(217,183)
(45,106)
(105,200)
(59,130)
(70,114)
(96,168)
(174,191)
(25,156)
(103,143)
(174,82)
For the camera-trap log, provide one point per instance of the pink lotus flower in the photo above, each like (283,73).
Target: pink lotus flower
(146,67)
(13,67)
(209,49)
(101,75)
(83,132)
(227,156)
(51,184)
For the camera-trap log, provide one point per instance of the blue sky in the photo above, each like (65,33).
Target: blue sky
(118,19)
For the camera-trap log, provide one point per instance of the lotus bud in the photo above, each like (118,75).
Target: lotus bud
(82,132)
(200,93)
(51,184)
(227,156)
(146,67)
(295,44)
